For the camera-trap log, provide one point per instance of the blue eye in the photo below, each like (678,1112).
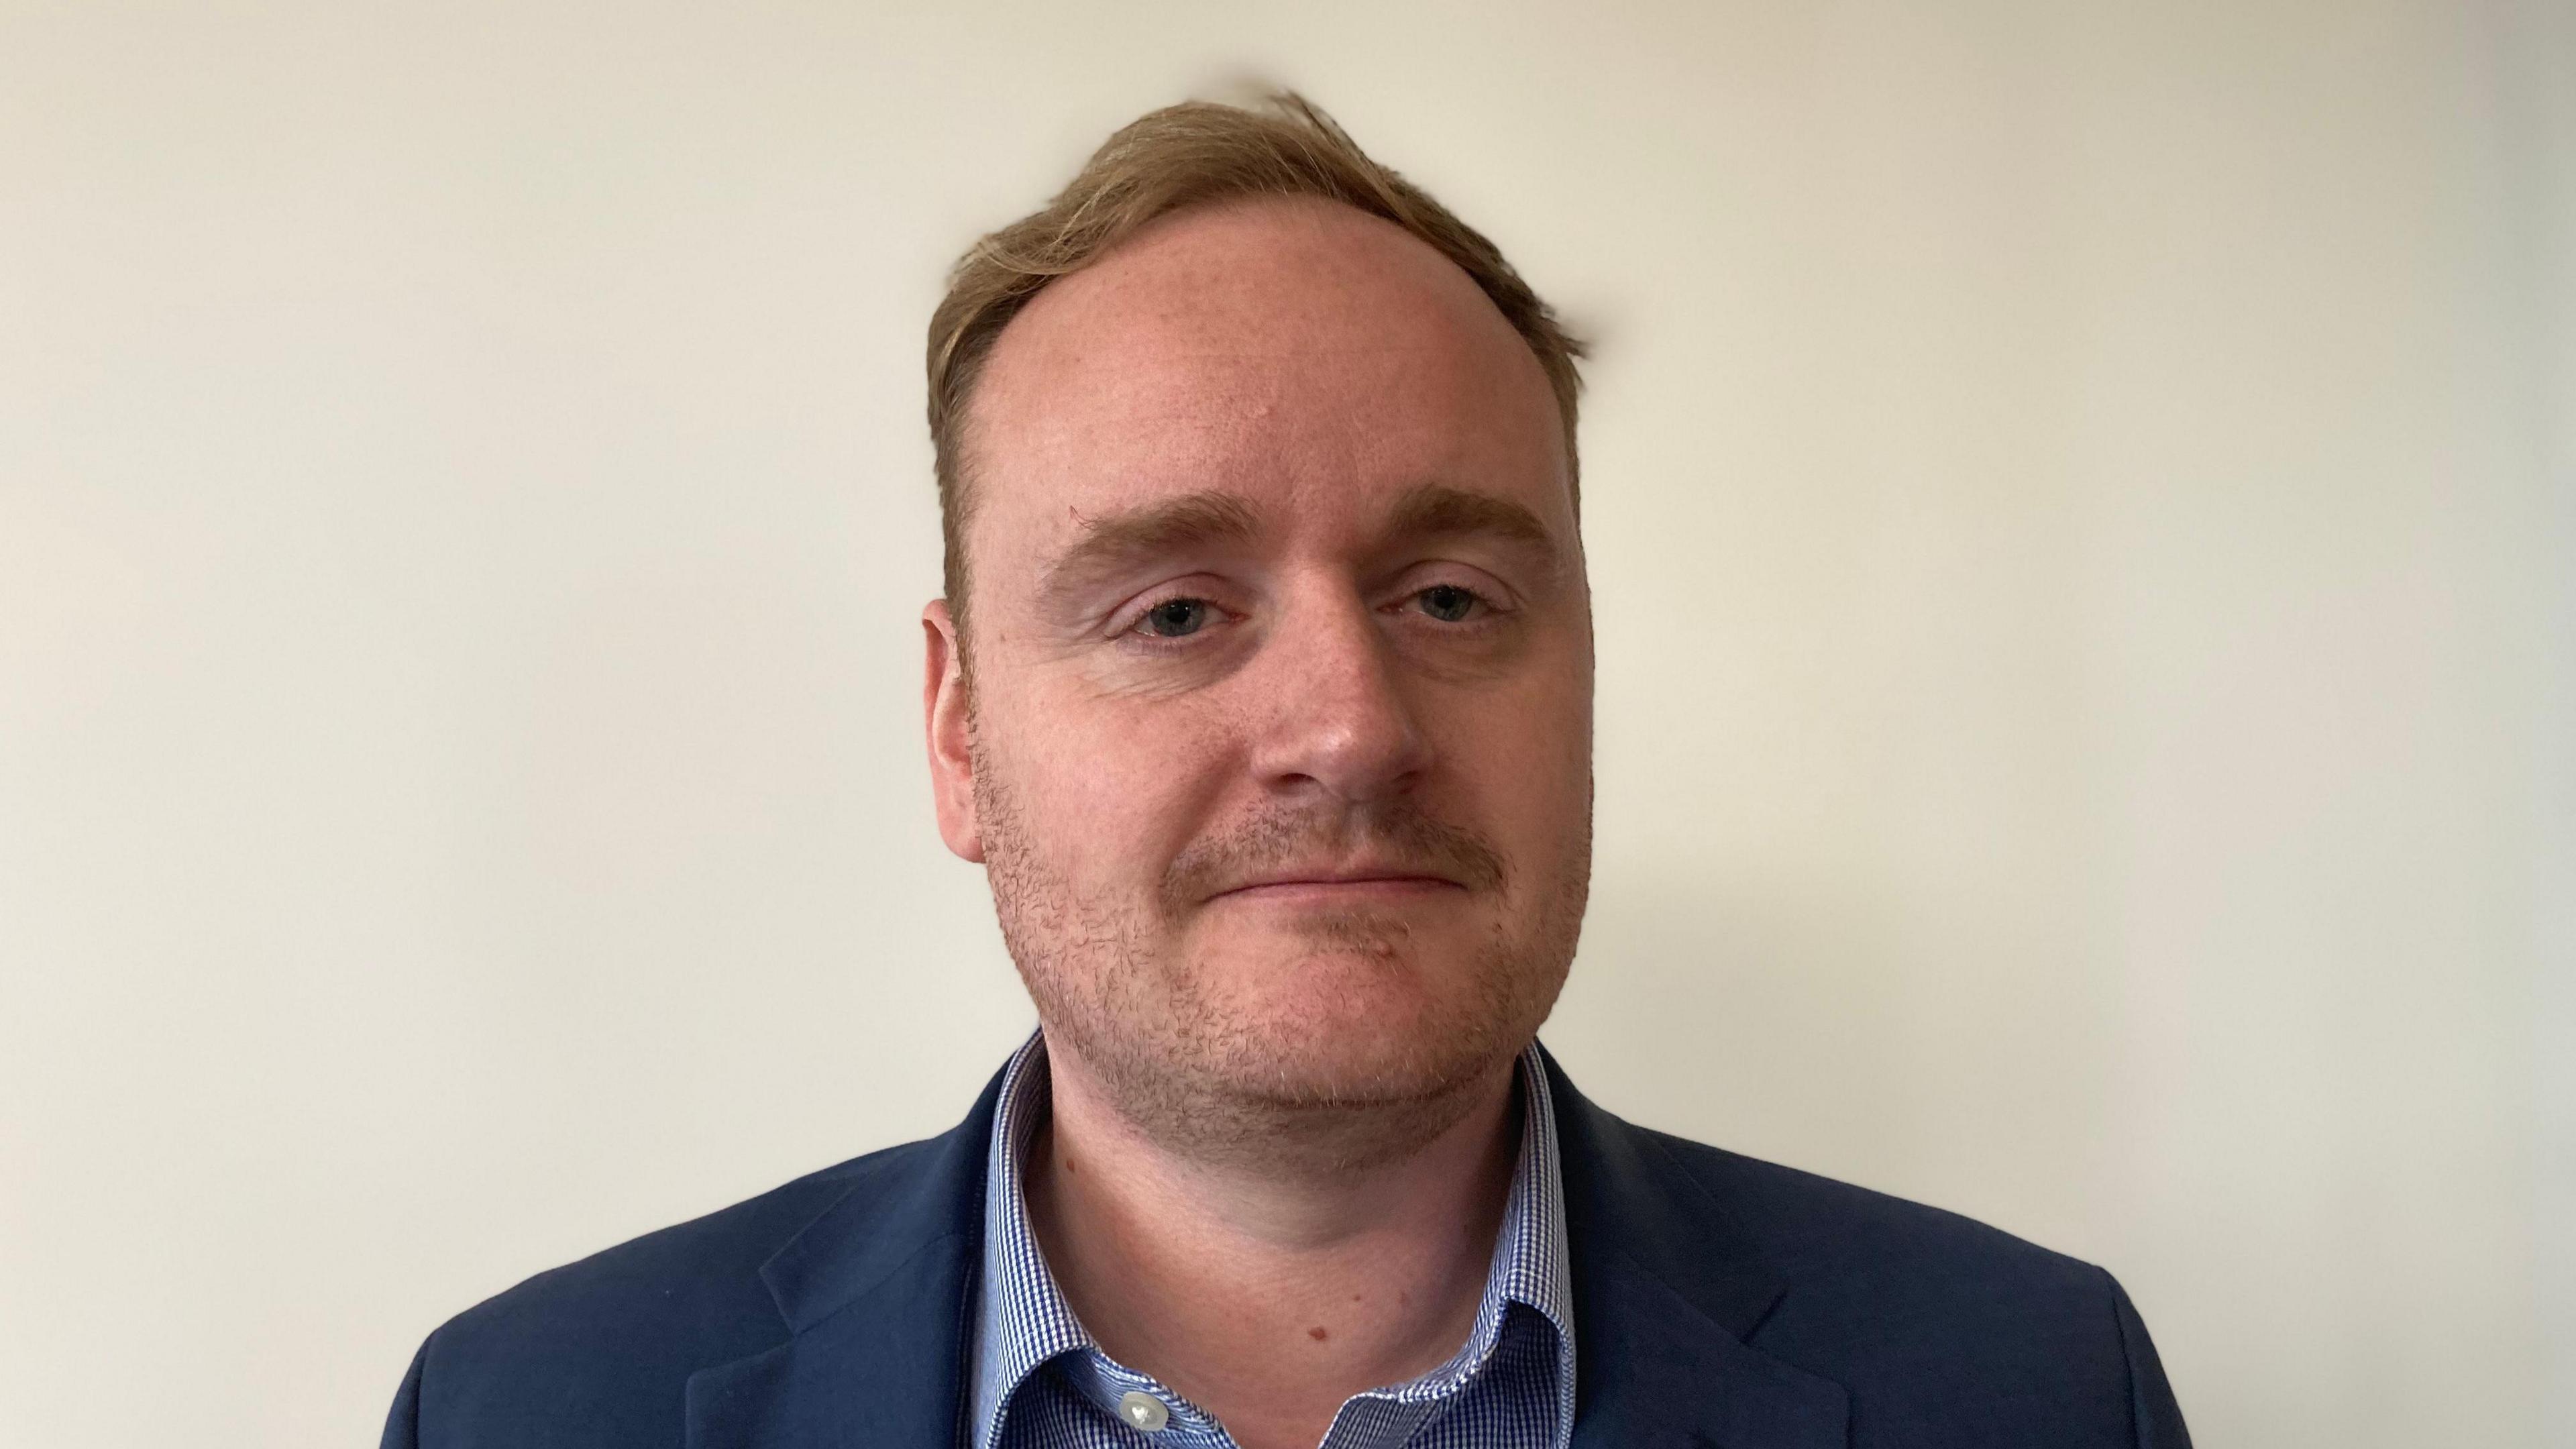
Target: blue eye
(1174,618)
(1446,602)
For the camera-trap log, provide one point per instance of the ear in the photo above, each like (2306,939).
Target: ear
(945,721)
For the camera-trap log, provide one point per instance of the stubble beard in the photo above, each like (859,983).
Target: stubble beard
(1232,1089)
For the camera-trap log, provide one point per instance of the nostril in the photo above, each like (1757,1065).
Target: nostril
(1356,755)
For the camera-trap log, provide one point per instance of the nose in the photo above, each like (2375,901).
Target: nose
(1337,715)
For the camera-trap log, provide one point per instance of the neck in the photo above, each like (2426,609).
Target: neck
(1269,1293)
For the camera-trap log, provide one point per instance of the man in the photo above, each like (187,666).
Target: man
(1262,689)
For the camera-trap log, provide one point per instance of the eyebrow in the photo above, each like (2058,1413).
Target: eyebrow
(1113,543)
(1435,510)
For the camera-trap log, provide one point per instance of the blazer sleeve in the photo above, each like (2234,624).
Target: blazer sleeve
(402,1424)
(2155,1419)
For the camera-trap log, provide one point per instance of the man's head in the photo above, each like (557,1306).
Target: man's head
(1263,686)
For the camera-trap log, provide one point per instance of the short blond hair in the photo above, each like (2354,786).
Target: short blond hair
(1193,154)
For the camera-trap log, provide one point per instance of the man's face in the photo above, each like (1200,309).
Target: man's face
(1276,737)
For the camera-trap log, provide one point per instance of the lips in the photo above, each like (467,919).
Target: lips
(1390,852)
(1356,880)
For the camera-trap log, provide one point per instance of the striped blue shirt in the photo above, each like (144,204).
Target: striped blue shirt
(1040,1382)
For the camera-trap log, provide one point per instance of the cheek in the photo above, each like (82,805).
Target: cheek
(1108,790)
(1527,759)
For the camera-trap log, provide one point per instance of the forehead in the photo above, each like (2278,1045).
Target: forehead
(1289,349)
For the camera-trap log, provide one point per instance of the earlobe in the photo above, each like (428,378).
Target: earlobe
(946,720)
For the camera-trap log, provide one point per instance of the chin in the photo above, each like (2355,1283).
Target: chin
(1341,1027)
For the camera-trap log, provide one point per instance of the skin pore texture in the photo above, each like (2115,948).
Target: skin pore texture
(1272,729)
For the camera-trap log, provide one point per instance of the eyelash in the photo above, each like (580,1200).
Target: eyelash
(1136,632)
(1481,606)
(1485,611)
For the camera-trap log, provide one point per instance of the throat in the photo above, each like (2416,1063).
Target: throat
(1268,1297)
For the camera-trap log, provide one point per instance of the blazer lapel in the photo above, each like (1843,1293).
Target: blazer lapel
(1667,1289)
(878,1298)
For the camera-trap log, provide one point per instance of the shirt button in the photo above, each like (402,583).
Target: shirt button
(1144,1411)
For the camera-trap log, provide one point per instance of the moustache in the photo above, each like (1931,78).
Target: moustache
(1401,838)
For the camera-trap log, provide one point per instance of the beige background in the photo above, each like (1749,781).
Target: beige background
(2080,507)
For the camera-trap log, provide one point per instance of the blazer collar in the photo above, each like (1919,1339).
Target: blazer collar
(877,1298)
(876,1295)
(1668,1286)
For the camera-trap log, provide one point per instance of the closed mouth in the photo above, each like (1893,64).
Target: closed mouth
(1341,883)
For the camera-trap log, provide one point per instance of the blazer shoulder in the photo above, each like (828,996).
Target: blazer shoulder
(683,1269)
(1942,1328)
(600,1350)
(1808,1223)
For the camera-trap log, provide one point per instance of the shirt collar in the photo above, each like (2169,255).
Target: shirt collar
(1024,1321)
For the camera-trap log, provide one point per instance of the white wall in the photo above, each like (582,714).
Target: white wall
(2080,507)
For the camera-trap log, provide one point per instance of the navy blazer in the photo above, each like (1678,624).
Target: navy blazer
(1718,1301)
